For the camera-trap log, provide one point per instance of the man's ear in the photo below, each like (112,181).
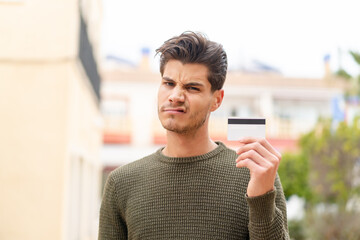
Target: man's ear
(218,96)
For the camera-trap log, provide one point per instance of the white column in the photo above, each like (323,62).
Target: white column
(143,104)
(267,110)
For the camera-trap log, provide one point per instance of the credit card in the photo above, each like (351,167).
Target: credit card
(245,127)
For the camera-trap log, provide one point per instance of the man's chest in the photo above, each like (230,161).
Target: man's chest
(187,210)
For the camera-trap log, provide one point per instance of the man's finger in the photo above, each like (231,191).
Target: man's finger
(260,149)
(255,157)
(250,164)
(263,142)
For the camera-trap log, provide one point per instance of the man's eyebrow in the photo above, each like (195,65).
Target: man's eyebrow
(167,79)
(194,84)
(187,84)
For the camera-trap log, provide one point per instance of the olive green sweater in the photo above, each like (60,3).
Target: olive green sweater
(201,197)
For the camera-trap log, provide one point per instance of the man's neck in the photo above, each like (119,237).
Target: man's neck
(188,145)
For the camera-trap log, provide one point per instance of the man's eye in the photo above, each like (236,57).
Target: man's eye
(193,89)
(169,83)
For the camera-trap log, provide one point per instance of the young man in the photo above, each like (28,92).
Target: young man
(195,188)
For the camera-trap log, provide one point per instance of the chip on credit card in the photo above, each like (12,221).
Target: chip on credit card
(245,127)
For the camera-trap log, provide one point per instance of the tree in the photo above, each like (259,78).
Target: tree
(323,169)
(354,87)
(326,172)
(332,155)
(294,174)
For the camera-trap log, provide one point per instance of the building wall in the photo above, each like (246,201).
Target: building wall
(51,127)
(82,177)
(92,13)
(33,140)
(291,107)
(38,30)
(50,141)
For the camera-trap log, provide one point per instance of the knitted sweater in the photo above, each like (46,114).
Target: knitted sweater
(201,197)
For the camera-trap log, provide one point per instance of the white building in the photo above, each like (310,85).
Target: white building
(51,132)
(132,130)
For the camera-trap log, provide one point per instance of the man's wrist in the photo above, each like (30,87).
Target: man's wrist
(262,208)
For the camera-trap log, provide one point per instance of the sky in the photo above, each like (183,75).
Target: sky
(291,36)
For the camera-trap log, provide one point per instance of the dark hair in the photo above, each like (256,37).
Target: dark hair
(191,47)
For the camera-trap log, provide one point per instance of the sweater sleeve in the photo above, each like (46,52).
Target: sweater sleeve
(267,215)
(111,225)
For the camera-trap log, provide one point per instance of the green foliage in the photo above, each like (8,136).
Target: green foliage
(342,73)
(356,56)
(324,173)
(332,154)
(354,87)
(297,229)
(332,226)
(323,170)
(294,174)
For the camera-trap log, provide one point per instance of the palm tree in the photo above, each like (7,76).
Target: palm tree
(354,89)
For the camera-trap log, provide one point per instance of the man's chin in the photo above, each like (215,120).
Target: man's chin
(174,128)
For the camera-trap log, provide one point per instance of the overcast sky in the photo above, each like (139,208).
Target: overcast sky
(292,36)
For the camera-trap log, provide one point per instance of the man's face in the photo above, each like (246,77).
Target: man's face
(185,99)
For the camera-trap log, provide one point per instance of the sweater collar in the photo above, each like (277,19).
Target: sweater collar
(205,156)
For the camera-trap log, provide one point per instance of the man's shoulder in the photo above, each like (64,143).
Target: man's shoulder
(133,169)
(227,153)
(226,161)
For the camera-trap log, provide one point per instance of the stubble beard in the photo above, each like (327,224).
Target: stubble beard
(195,122)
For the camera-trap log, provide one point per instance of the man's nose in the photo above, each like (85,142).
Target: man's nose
(177,95)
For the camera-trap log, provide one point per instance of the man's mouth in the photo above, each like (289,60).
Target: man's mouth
(174,110)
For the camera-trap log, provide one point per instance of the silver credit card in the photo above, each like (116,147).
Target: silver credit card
(245,127)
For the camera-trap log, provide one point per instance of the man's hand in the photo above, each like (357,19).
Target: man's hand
(262,160)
